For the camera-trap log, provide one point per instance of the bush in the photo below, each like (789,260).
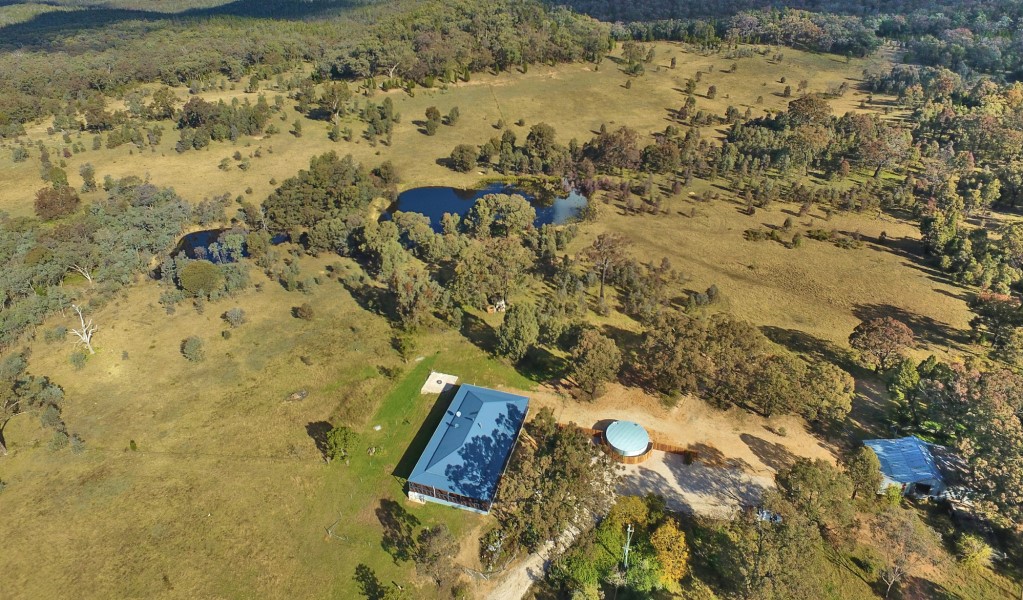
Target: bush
(77,444)
(192,349)
(339,443)
(453,115)
(973,551)
(20,154)
(405,344)
(305,311)
(59,440)
(78,360)
(57,334)
(235,317)
(893,495)
(755,235)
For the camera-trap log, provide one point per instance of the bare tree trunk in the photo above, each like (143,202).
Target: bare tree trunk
(3,441)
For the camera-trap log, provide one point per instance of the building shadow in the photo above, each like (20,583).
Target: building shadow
(415,448)
(399,539)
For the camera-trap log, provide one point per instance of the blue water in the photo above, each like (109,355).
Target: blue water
(196,245)
(435,201)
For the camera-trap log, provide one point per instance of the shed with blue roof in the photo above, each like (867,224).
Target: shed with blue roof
(465,458)
(909,464)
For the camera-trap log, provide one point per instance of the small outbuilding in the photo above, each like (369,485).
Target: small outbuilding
(910,464)
(466,456)
(626,442)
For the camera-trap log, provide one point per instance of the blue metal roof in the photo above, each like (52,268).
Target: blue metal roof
(468,451)
(905,460)
(627,438)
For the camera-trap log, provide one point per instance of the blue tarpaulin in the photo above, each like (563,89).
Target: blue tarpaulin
(906,461)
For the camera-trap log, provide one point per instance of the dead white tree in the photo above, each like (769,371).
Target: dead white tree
(84,334)
(84,272)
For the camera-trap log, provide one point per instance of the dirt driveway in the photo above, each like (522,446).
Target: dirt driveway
(739,454)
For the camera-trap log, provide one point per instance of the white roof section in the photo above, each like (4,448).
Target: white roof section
(438,382)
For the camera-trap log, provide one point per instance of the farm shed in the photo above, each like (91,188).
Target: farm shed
(465,458)
(909,463)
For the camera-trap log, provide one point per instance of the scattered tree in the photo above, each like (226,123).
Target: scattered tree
(596,360)
(518,332)
(882,340)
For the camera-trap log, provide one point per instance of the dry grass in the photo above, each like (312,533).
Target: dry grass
(226,495)
(574,98)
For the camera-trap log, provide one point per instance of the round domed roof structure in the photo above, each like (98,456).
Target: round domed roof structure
(627,438)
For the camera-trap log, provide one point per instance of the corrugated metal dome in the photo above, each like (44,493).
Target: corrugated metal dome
(627,438)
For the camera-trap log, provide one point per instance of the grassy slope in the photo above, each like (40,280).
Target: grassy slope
(225,473)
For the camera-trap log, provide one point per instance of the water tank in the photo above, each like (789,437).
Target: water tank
(627,438)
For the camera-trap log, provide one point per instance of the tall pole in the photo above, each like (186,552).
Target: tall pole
(628,542)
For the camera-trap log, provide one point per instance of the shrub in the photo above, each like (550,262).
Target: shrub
(973,551)
(893,495)
(57,334)
(78,360)
(20,155)
(453,115)
(405,344)
(59,440)
(755,235)
(305,311)
(192,349)
(339,443)
(77,444)
(235,317)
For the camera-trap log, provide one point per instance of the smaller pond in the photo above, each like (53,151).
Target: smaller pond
(433,202)
(214,246)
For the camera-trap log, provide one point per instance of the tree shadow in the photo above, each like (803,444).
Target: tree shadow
(317,430)
(369,584)
(772,454)
(400,527)
(371,298)
(925,329)
(918,587)
(484,455)
(415,448)
(708,455)
(477,331)
(540,365)
(814,347)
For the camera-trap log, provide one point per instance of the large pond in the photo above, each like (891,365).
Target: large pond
(435,201)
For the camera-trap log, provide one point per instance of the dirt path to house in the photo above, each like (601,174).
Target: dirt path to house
(738,455)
